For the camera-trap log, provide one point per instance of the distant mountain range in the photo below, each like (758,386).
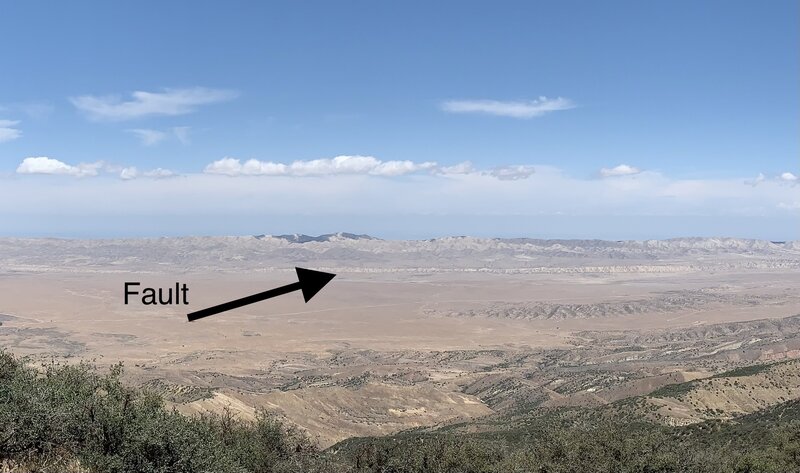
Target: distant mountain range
(688,242)
(364,253)
(302,238)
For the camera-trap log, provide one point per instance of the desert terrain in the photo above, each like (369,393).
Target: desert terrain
(420,334)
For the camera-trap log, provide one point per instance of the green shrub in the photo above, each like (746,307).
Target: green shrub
(112,428)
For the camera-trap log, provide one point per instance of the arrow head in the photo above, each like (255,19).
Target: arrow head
(311,282)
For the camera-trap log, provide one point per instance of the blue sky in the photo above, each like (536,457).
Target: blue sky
(574,119)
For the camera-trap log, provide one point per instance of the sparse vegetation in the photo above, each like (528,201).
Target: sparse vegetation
(70,418)
(746,370)
(603,447)
(674,390)
(67,415)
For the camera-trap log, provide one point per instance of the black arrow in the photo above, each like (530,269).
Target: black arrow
(309,281)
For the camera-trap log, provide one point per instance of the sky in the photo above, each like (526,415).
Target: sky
(552,119)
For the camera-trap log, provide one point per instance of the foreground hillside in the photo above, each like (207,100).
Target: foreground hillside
(70,418)
(727,395)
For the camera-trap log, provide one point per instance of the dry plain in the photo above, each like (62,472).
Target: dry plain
(414,333)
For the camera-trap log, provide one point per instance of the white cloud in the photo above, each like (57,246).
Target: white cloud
(131,173)
(788,177)
(45,165)
(147,136)
(518,109)
(512,173)
(338,165)
(159,173)
(399,168)
(227,166)
(142,104)
(8,130)
(621,170)
(465,167)
(357,165)
(365,165)
(253,167)
(758,180)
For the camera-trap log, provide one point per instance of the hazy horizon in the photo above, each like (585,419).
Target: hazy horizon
(661,228)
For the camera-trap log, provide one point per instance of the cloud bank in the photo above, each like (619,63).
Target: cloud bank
(169,102)
(548,191)
(358,165)
(519,109)
(367,165)
(472,200)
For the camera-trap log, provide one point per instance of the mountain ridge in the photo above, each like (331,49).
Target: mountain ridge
(345,252)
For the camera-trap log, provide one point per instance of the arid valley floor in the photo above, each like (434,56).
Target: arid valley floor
(421,333)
